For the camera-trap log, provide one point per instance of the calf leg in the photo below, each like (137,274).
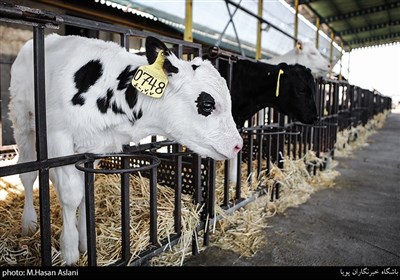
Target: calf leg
(82,226)
(26,146)
(70,185)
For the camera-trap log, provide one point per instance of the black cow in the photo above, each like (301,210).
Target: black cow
(254,87)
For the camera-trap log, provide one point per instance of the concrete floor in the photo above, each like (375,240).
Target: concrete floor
(357,223)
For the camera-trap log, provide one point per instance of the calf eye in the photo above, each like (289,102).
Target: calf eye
(205,104)
(207,107)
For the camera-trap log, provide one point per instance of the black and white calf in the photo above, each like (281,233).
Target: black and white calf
(92,107)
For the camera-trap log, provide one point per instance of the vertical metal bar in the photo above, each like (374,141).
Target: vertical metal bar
(124,41)
(301,137)
(238,192)
(178,194)
(125,217)
(188,34)
(226,183)
(260,139)
(250,156)
(289,142)
(153,206)
(268,155)
(277,190)
(197,178)
(180,51)
(296,140)
(210,201)
(41,142)
(305,140)
(281,143)
(196,160)
(259,23)
(90,215)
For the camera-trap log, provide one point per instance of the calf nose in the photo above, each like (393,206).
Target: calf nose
(237,148)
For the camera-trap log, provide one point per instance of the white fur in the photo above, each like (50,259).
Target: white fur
(77,129)
(308,56)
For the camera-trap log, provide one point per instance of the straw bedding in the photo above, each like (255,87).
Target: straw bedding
(108,221)
(346,140)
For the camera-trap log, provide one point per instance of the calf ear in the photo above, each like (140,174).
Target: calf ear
(283,66)
(153,47)
(299,47)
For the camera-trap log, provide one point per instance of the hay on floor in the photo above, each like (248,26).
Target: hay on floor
(108,221)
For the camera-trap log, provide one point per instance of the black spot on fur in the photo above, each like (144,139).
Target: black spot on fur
(140,114)
(169,68)
(84,78)
(125,77)
(195,66)
(78,99)
(131,96)
(116,109)
(205,104)
(104,103)
(137,115)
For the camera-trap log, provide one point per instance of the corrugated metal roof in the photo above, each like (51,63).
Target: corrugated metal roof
(210,18)
(359,23)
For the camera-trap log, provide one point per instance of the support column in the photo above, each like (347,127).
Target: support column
(296,21)
(188,35)
(259,23)
(317,24)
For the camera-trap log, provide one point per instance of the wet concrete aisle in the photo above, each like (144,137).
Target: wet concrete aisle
(357,223)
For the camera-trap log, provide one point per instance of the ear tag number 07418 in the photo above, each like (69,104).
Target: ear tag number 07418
(151,79)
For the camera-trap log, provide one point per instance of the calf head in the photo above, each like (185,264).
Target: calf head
(297,93)
(307,54)
(195,109)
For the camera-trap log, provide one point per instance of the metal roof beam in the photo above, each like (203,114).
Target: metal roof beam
(322,21)
(307,1)
(369,27)
(363,12)
(375,38)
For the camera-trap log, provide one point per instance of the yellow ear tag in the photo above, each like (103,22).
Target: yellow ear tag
(151,79)
(279,81)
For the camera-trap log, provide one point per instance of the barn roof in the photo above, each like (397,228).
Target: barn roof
(359,23)
(210,18)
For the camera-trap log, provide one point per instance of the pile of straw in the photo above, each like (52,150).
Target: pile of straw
(354,138)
